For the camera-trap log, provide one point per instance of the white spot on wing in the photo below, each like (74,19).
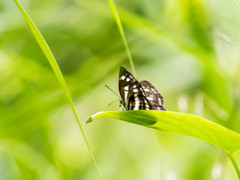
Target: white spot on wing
(150,98)
(137,104)
(123,77)
(126,88)
(135,90)
(128,79)
(125,94)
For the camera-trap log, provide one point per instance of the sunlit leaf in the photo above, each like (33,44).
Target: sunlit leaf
(186,124)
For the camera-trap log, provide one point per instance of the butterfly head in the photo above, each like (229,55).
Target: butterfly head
(120,103)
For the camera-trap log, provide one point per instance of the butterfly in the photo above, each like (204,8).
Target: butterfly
(138,95)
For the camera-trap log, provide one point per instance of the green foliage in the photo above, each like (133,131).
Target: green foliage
(189,50)
(46,50)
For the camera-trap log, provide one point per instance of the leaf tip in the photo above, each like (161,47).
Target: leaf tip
(91,118)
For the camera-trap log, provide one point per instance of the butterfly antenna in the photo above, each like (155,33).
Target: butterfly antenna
(113,102)
(112,91)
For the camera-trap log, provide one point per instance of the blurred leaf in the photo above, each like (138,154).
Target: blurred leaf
(199,168)
(143,26)
(217,87)
(186,124)
(86,43)
(195,16)
(214,82)
(30,161)
(46,50)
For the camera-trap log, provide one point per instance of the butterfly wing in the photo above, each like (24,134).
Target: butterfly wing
(153,95)
(125,80)
(139,102)
(132,93)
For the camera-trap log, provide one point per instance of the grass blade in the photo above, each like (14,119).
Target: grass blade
(119,24)
(181,123)
(234,164)
(46,50)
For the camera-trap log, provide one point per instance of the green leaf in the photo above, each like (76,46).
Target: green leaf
(186,124)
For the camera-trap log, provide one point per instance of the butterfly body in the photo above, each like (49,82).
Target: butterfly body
(138,95)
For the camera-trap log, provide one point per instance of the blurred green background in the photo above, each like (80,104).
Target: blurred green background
(188,49)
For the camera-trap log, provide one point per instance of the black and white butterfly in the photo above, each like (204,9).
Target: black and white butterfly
(138,95)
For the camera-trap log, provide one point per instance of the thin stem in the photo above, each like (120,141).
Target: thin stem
(83,133)
(234,164)
(51,59)
(119,24)
(236,100)
(160,156)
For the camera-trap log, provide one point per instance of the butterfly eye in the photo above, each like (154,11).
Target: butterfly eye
(121,102)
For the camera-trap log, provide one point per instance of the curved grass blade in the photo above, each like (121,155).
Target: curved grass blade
(181,123)
(48,53)
(120,28)
(185,124)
